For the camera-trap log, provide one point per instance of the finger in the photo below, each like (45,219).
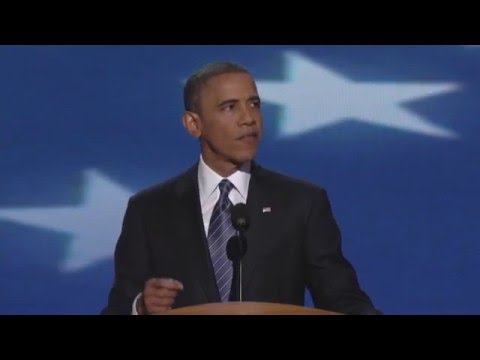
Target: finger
(169,283)
(162,283)
(164,293)
(153,283)
(158,310)
(159,302)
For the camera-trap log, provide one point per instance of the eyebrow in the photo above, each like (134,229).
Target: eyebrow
(233,101)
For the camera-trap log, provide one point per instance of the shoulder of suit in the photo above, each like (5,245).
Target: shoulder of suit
(163,189)
(275,178)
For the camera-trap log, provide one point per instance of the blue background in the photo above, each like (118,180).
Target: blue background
(406,202)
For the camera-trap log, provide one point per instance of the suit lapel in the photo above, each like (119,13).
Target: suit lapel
(194,238)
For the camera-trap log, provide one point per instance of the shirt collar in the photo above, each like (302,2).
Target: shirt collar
(208,179)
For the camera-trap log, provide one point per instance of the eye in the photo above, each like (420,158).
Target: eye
(228,107)
(255,104)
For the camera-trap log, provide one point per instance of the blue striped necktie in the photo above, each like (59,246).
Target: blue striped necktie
(219,231)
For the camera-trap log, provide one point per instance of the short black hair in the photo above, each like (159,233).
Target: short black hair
(196,81)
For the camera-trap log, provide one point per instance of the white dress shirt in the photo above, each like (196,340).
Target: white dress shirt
(209,192)
(208,181)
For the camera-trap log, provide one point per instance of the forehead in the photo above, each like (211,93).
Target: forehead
(230,85)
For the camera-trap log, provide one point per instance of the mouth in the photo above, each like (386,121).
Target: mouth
(249,136)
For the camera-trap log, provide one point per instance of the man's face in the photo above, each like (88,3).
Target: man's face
(230,118)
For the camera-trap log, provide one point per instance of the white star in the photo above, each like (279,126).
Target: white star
(94,224)
(314,97)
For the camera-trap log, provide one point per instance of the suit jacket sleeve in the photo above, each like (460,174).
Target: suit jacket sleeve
(330,277)
(131,262)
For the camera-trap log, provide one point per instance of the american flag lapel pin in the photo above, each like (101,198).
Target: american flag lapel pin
(266,209)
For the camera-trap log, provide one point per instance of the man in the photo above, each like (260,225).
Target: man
(171,251)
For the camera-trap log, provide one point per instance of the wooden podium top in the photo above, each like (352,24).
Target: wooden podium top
(248,308)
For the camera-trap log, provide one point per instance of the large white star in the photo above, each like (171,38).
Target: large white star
(314,97)
(94,224)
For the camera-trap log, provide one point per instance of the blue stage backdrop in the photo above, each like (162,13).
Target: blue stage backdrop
(392,133)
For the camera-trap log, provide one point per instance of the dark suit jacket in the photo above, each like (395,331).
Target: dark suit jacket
(295,245)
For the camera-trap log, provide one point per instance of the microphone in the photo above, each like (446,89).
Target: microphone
(240,218)
(237,247)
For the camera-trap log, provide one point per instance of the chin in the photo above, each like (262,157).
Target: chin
(244,157)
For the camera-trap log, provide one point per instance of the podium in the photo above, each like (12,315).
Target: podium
(248,308)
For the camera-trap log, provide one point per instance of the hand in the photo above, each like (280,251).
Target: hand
(158,296)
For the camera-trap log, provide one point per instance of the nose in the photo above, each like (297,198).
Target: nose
(249,115)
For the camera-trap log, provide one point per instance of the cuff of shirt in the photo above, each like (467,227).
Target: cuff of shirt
(134,306)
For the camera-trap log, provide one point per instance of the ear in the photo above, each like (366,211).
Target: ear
(192,122)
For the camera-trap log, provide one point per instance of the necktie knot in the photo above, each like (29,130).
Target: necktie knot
(225,186)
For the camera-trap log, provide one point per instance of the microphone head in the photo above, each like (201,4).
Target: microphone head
(236,248)
(240,220)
